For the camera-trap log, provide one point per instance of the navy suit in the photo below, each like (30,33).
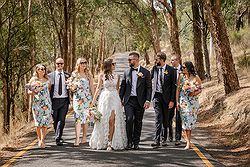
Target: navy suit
(60,107)
(162,99)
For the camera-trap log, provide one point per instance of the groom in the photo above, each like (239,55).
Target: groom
(135,93)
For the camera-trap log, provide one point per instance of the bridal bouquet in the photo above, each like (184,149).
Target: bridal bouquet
(35,86)
(190,87)
(73,81)
(94,114)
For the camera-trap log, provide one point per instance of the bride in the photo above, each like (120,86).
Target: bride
(110,132)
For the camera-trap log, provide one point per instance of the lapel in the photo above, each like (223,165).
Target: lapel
(164,75)
(130,76)
(139,78)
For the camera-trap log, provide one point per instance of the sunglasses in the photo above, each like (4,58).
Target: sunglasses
(131,59)
(41,69)
(113,64)
(183,67)
(83,62)
(59,64)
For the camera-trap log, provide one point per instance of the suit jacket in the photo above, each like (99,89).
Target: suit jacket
(168,85)
(143,88)
(52,78)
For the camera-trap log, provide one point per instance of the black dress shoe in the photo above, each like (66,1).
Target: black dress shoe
(59,143)
(164,143)
(128,147)
(170,139)
(155,144)
(136,147)
(177,143)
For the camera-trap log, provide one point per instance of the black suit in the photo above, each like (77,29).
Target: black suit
(162,98)
(60,107)
(133,105)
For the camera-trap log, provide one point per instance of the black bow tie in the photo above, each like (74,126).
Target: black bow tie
(136,69)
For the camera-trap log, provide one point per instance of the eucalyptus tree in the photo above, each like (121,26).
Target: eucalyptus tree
(223,50)
(15,54)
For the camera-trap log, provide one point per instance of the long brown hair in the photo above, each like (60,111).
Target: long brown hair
(107,69)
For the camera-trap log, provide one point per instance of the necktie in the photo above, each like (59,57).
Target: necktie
(161,77)
(60,84)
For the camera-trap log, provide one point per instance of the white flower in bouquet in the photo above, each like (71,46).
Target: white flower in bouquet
(94,114)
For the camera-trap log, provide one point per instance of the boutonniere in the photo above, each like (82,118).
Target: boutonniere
(67,75)
(140,74)
(166,72)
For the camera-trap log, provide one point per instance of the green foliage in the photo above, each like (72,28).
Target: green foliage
(244,61)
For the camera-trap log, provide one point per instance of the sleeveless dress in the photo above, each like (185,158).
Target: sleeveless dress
(81,98)
(189,105)
(109,101)
(41,106)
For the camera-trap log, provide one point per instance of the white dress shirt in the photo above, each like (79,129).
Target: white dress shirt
(158,83)
(134,81)
(56,85)
(178,71)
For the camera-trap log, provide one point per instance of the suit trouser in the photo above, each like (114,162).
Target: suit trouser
(161,117)
(60,108)
(134,115)
(178,127)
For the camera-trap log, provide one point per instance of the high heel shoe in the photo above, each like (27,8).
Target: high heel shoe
(109,148)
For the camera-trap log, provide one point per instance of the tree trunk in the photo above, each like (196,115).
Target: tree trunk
(6,107)
(198,55)
(65,34)
(100,52)
(204,30)
(173,30)
(155,30)
(146,56)
(73,60)
(206,54)
(220,37)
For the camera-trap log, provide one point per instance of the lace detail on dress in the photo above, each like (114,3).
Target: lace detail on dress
(110,84)
(109,101)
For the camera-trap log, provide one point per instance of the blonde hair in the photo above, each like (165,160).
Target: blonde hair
(38,66)
(86,70)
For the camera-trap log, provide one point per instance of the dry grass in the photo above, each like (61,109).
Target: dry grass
(227,119)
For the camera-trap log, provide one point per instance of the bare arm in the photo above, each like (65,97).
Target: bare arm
(178,92)
(91,85)
(118,83)
(99,85)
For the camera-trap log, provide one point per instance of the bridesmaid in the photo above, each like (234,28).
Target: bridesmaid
(39,86)
(188,89)
(81,84)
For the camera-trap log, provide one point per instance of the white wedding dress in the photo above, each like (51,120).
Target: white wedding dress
(109,101)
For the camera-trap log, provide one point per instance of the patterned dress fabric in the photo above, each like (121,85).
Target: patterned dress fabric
(41,106)
(81,98)
(189,105)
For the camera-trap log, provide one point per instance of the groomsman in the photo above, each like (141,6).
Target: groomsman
(60,99)
(175,60)
(135,93)
(164,90)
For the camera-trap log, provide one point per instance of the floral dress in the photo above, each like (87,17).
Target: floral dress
(41,106)
(81,98)
(188,104)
